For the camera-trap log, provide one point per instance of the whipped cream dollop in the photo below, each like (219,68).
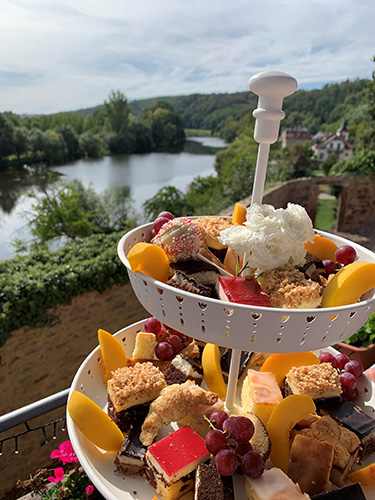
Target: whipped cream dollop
(271,237)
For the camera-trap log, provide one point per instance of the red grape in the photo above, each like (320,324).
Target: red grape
(172,331)
(341,360)
(164,351)
(327,357)
(242,448)
(350,394)
(162,335)
(152,325)
(217,418)
(175,342)
(240,428)
(159,222)
(185,341)
(345,254)
(329,266)
(252,465)
(166,214)
(347,380)
(354,367)
(215,441)
(226,462)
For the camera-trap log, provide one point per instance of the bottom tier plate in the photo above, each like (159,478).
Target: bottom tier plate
(99,465)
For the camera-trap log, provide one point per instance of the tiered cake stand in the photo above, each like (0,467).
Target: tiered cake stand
(238,326)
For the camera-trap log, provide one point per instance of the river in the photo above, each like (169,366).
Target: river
(143,174)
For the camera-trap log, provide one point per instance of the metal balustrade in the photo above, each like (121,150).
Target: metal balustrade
(29,412)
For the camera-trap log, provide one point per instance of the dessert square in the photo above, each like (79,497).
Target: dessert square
(317,381)
(172,462)
(130,459)
(260,394)
(130,392)
(273,484)
(310,464)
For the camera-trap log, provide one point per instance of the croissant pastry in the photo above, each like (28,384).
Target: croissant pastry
(174,403)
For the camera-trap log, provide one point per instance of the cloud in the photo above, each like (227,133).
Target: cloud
(69,54)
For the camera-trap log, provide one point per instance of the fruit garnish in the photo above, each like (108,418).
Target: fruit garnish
(345,254)
(322,247)
(231,445)
(212,370)
(94,423)
(112,353)
(365,476)
(280,363)
(150,260)
(282,420)
(349,284)
(239,214)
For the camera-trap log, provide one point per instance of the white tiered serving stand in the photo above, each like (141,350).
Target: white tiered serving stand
(226,324)
(238,326)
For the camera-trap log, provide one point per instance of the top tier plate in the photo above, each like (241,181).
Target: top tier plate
(238,326)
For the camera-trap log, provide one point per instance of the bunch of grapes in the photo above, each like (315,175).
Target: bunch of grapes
(229,442)
(160,220)
(344,255)
(350,371)
(170,342)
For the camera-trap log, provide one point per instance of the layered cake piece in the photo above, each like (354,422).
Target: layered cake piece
(273,484)
(245,363)
(345,444)
(354,419)
(208,483)
(130,392)
(183,368)
(201,272)
(172,461)
(317,381)
(260,441)
(242,290)
(130,459)
(310,464)
(288,288)
(183,282)
(260,394)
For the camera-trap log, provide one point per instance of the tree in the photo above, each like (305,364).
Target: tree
(167,198)
(70,210)
(71,141)
(6,137)
(91,145)
(368,134)
(298,161)
(20,140)
(116,111)
(166,126)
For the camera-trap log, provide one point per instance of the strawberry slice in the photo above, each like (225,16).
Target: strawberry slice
(242,290)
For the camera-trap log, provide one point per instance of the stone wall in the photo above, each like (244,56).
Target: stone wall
(356,204)
(38,362)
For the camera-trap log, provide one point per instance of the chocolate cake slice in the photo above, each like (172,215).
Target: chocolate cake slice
(201,272)
(183,282)
(208,483)
(225,361)
(183,368)
(354,419)
(130,459)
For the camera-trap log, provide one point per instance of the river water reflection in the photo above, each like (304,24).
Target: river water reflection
(143,174)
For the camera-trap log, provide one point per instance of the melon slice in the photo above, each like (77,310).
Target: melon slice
(112,353)
(349,284)
(212,373)
(280,363)
(94,423)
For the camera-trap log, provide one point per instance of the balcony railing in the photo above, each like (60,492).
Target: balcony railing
(29,412)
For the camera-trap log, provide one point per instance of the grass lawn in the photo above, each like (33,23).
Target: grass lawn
(326,214)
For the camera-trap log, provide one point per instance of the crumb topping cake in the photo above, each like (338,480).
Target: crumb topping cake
(135,385)
(318,381)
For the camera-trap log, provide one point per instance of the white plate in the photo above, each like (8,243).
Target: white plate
(99,465)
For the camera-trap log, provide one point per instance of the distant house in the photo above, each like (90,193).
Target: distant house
(337,143)
(290,136)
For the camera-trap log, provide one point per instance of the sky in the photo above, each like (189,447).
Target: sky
(69,54)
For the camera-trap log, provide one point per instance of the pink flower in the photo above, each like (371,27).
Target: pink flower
(59,474)
(89,489)
(65,453)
